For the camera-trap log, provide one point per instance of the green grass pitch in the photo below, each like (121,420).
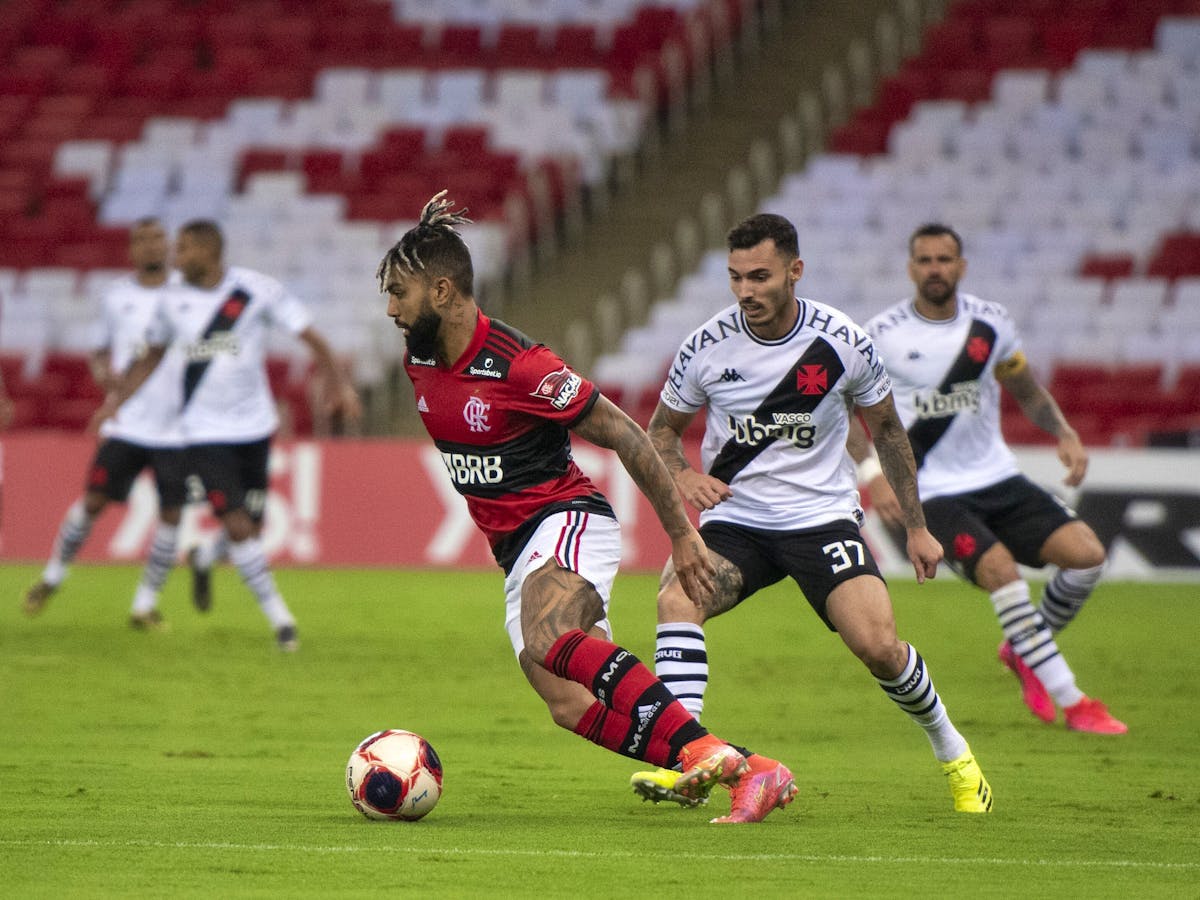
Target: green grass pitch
(202,762)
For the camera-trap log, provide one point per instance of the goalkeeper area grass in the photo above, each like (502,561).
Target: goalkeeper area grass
(203,762)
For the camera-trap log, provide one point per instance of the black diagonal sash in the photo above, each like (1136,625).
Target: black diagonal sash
(924,433)
(227,315)
(786,397)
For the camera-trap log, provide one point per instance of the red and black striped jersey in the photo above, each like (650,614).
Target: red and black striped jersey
(500,416)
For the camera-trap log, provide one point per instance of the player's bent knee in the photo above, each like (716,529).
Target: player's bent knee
(675,606)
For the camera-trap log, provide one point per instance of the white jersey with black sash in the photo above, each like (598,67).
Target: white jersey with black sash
(778,414)
(217,342)
(944,380)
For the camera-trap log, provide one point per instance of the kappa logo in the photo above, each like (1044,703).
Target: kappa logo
(731,375)
(812,380)
(422,406)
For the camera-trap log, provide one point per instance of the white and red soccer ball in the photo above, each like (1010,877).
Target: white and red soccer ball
(394,774)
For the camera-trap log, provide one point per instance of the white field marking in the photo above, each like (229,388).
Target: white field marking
(609,854)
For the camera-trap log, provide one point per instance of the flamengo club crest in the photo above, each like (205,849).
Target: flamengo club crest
(812,380)
(475,413)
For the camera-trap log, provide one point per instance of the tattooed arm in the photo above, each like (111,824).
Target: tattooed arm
(1039,407)
(896,457)
(609,427)
(666,434)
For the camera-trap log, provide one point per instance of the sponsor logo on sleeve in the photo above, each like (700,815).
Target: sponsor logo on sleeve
(560,388)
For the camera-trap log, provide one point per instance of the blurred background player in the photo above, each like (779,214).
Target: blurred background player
(211,330)
(948,354)
(143,432)
(777,496)
(500,408)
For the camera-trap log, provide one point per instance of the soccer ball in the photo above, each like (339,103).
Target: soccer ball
(394,774)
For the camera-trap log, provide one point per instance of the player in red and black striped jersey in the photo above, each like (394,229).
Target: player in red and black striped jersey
(500,408)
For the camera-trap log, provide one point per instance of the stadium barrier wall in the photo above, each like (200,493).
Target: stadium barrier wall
(389,503)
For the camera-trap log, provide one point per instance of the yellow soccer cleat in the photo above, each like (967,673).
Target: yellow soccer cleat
(659,785)
(972,793)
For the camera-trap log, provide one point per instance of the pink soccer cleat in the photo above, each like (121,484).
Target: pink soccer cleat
(1033,692)
(768,785)
(707,762)
(1092,716)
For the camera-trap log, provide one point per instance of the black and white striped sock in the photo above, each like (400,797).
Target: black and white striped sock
(72,532)
(1065,594)
(158,564)
(1033,641)
(913,691)
(250,560)
(681,663)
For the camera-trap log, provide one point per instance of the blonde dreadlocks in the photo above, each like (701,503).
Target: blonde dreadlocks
(436,237)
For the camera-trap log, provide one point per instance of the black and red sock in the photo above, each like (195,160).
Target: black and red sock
(652,724)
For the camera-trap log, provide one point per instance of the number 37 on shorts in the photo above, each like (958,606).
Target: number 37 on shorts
(845,555)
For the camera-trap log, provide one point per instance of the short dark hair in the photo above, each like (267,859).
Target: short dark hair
(753,231)
(207,232)
(935,229)
(434,247)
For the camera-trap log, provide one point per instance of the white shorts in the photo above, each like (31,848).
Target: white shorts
(585,543)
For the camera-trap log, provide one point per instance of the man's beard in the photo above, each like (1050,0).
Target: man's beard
(939,292)
(422,338)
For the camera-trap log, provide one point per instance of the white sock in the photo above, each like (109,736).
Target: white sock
(913,691)
(1031,639)
(251,562)
(145,600)
(681,663)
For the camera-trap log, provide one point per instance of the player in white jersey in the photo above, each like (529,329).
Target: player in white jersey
(210,333)
(779,376)
(949,353)
(143,433)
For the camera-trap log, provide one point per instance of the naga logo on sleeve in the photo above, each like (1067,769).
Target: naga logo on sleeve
(560,388)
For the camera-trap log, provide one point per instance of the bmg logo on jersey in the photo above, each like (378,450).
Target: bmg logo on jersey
(560,388)
(208,348)
(962,397)
(795,428)
(470,468)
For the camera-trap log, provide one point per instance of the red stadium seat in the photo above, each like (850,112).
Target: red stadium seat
(576,47)
(1178,256)
(519,47)
(460,46)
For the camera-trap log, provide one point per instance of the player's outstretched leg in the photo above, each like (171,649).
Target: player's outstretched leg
(766,786)
(660,730)
(971,791)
